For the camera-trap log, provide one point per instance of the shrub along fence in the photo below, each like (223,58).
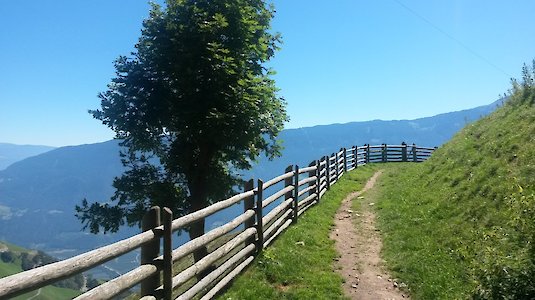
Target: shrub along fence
(268,208)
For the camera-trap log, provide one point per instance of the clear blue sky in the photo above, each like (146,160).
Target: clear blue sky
(341,61)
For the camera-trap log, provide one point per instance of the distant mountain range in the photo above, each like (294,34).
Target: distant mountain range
(303,145)
(38,194)
(10,153)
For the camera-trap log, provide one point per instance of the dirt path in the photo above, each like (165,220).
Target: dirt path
(360,263)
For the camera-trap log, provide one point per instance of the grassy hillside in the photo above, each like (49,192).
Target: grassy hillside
(14,259)
(463,223)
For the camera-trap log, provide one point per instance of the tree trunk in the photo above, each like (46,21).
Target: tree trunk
(198,200)
(196,230)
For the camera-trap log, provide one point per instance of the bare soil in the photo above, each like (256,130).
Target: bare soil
(359,244)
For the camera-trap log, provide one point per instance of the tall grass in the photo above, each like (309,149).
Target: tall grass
(462,224)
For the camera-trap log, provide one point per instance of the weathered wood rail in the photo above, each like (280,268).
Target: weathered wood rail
(269,208)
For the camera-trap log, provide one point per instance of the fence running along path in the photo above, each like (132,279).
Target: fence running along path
(268,209)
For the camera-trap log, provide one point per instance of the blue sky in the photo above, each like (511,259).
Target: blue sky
(341,60)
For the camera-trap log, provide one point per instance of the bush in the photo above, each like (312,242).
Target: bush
(508,268)
(7,256)
(524,91)
(507,278)
(26,261)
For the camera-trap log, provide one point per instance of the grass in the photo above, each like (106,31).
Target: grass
(462,225)
(416,236)
(50,293)
(46,293)
(299,264)
(7,269)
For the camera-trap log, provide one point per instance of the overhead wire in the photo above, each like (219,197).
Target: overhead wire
(451,37)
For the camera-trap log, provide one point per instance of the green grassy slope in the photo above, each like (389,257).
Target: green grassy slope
(49,293)
(9,267)
(462,224)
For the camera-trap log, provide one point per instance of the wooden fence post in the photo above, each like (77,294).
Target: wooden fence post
(150,251)
(288,182)
(367,152)
(355,157)
(403,152)
(296,194)
(318,180)
(320,169)
(248,204)
(259,215)
(337,165)
(383,153)
(328,171)
(345,160)
(414,155)
(312,174)
(167,215)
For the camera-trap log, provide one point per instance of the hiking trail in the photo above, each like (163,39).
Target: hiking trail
(359,244)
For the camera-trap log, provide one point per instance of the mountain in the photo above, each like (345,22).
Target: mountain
(303,145)
(10,153)
(61,175)
(38,194)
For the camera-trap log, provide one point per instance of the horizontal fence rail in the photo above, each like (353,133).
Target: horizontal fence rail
(268,209)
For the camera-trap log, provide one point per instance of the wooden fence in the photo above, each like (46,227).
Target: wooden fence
(268,209)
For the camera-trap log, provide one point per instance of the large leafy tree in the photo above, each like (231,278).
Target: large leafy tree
(192,105)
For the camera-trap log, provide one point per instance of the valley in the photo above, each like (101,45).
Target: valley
(45,188)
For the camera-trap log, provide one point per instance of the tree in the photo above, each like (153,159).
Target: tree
(7,256)
(523,91)
(193,105)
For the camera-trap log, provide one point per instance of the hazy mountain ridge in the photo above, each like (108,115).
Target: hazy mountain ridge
(11,153)
(62,174)
(302,145)
(45,189)
(38,194)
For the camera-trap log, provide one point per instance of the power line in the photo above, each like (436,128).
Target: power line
(474,53)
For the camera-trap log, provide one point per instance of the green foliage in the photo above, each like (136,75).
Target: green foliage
(524,91)
(33,259)
(299,264)
(26,262)
(92,282)
(192,105)
(7,256)
(462,224)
